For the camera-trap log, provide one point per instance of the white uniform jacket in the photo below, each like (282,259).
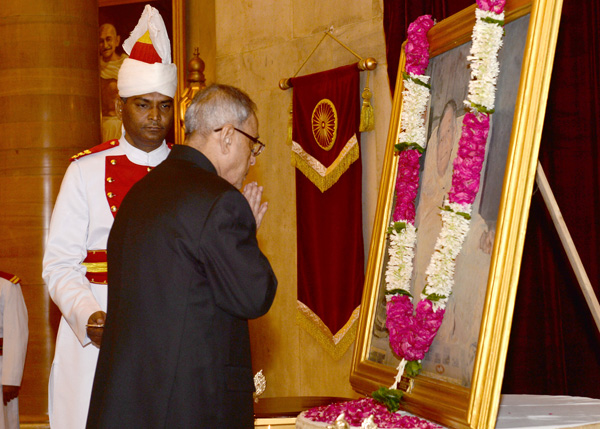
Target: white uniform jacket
(91,191)
(14,331)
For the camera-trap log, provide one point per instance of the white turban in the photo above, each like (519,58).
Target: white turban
(137,77)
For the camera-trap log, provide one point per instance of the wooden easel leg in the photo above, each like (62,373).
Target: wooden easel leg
(568,244)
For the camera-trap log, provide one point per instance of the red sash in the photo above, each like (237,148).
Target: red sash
(96,267)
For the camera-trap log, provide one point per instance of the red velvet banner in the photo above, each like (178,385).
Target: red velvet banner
(326,142)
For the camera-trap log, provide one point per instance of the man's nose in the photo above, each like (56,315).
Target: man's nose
(154,113)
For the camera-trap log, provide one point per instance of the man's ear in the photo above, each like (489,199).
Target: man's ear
(226,138)
(119,108)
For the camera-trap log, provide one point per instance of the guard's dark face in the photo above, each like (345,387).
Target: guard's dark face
(147,119)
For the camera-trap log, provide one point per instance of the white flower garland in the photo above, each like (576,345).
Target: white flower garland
(415,98)
(485,67)
(440,272)
(401,248)
(400,265)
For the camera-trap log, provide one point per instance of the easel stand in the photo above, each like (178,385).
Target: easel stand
(567,242)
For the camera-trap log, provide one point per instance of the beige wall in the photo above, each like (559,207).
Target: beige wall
(252,45)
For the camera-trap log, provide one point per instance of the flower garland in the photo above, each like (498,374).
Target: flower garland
(412,332)
(409,334)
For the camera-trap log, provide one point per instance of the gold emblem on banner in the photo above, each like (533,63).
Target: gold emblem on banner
(325,124)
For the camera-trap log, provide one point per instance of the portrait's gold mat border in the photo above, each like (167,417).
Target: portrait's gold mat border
(446,403)
(179,53)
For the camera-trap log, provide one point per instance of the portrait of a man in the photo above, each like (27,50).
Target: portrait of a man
(110,63)
(451,356)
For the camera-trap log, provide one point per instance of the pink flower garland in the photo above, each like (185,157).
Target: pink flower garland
(358,410)
(469,159)
(407,185)
(417,45)
(411,334)
(496,6)
(407,182)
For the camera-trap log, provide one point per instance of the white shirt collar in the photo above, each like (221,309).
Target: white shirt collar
(137,156)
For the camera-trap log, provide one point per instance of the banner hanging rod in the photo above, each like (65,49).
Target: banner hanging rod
(369,63)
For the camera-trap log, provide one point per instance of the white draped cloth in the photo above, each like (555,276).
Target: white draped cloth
(547,412)
(14,331)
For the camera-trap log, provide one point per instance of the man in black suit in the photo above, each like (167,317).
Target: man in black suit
(185,275)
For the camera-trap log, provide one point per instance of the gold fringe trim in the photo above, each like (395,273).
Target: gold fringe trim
(325,177)
(335,345)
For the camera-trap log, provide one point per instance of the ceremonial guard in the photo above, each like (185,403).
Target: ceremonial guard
(13,347)
(90,195)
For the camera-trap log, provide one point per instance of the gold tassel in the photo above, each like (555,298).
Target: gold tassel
(367,118)
(290,124)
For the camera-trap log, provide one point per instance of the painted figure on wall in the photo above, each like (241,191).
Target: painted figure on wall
(110,63)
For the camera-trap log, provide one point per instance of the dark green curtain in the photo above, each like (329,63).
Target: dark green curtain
(554,346)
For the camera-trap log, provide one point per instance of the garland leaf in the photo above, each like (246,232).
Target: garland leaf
(408,146)
(412,368)
(406,76)
(397,226)
(399,292)
(434,297)
(481,108)
(489,20)
(388,397)
(463,214)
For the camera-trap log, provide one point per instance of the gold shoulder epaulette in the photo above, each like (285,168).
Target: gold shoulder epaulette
(99,148)
(10,277)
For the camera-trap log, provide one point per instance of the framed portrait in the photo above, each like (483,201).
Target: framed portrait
(461,377)
(116,20)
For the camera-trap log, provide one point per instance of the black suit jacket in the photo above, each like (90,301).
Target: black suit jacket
(185,274)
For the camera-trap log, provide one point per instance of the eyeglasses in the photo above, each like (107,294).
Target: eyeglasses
(257,146)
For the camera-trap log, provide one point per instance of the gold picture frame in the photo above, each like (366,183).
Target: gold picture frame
(124,15)
(471,401)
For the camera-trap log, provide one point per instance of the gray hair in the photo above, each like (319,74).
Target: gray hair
(216,106)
